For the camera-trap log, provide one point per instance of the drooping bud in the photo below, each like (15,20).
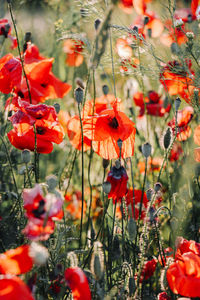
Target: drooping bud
(132,229)
(149,194)
(52,182)
(157,186)
(177,103)
(106,187)
(78,94)
(26,156)
(146,150)
(57,107)
(167,138)
(97,22)
(105,89)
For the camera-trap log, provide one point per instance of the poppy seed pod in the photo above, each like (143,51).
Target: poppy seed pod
(78,94)
(27,37)
(177,103)
(157,186)
(149,194)
(167,138)
(146,150)
(105,89)
(97,22)
(51,182)
(57,107)
(106,187)
(96,266)
(26,156)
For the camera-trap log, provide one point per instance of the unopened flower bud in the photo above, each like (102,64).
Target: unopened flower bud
(80,83)
(157,186)
(52,182)
(167,138)
(58,269)
(26,156)
(97,22)
(78,94)
(177,103)
(97,267)
(190,35)
(131,286)
(106,187)
(106,163)
(27,37)
(132,229)
(105,89)
(146,150)
(57,107)
(149,194)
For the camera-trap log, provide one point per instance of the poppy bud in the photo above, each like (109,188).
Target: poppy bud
(157,186)
(146,20)
(105,89)
(152,214)
(26,156)
(167,138)
(106,187)
(52,182)
(131,286)
(97,22)
(177,103)
(146,150)
(132,229)
(79,82)
(96,266)
(149,194)
(105,163)
(78,94)
(27,37)
(57,107)
(116,247)
(196,95)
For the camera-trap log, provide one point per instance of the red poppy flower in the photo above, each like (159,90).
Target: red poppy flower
(163,296)
(176,152)
(183,275)
(48,129)
(13,288)
(118,179)
(185,14)
(32,54)
(133,200)
(73,49)
(10,73)
(184,246)
(195,8)
(174,35)
(176,80)
(184,116)
(78,283)
(38,229)
(5,30)
(148,269)
(16,261)
(154,105)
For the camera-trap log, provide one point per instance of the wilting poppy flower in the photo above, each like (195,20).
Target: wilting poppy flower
(73,49)
(10,73)
(176,152)
(148,269)
(154,105)
(184,116)
(5,30)
(78,283)
(16,261)
(13,288)
(118,179)
(183,275)
(45,121)
(163,296)
(133,200)
(176,80)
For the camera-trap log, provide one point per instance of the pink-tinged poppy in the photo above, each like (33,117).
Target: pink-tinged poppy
(197,154)
(197,135)
(183,275)
(5,30)
(10,73)
(163,296)
(154,104)
(38,229)
(73,49)
(16,261)
(133,200)
(47,126)
(184,116)
(118,179)
(78,284)
(176,152)
(148,269)
(13,288)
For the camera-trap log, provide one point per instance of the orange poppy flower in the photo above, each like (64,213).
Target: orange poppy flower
(48,129)
(183,275)
(78,284)
(13,288)
(118,179)
(176,80)
(5,30)
(16,261)
(133,200)
(74,205)
(63,117)
(123,49)
(154,105)
(184,116)
(176,152)
(38,229)
(10,73)
(197,135)
(197,154)
(73,49)
(176,35)
(154,164)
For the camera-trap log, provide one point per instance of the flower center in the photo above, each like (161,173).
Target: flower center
(114,123)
